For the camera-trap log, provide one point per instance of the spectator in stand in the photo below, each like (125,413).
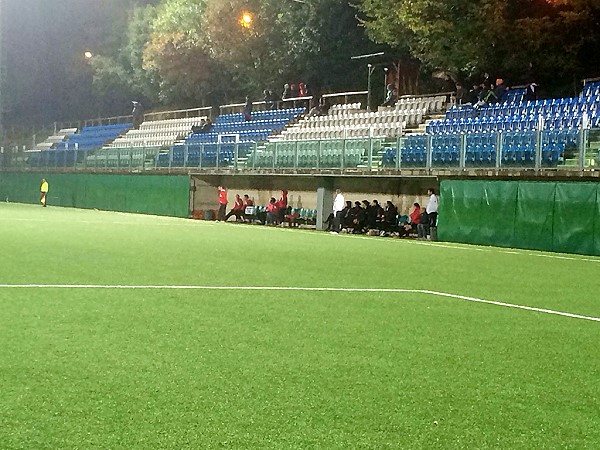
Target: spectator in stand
(197,129)
(487,81)
(319,109)
(269,100)
(302,92)
(207,126)
(237,210)
(272,214)
(338,207)
(248,109)
(473,95)
(530,92)
(282,205)
(138,114)
(222,202)
(390,96)
(459,96)
(500,90)
(293,91)
(286,92)
(432,211)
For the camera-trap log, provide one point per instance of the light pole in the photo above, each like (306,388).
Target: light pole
(370,69)
(385,83)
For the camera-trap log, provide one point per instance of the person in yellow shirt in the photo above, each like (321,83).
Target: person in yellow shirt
(44,192)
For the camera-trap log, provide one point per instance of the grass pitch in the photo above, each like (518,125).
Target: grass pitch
(240,369)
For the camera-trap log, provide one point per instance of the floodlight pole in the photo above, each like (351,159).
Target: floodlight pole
(385,74)
(370,68)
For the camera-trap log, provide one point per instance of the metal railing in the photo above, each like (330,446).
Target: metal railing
(573,150)
(296,102)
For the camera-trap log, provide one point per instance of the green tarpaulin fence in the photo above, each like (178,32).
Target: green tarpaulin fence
(552,216)
(148,194)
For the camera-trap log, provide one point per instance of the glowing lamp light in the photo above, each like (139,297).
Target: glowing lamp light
(87,54)
(246,20)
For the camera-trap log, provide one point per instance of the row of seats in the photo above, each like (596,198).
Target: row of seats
(560,106)
(591,89)
(157,133)
(357,124)
(169,124)
(205,155)
(120,157)
(378,117)
(306,154)
(93,137)
(430,104)
(289,114)
(231,127)
(516,148)
(51,141)
(344,107)
(342,132)
(516,123)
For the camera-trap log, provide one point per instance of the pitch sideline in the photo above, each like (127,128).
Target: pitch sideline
(309,289)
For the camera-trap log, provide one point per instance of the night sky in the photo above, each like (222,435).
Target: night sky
(46,76)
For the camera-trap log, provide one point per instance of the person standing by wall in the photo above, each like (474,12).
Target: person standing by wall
(338,207)
(222,203)
(432,213)
(43,192)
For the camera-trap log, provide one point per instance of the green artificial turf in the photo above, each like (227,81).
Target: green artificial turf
(172,369)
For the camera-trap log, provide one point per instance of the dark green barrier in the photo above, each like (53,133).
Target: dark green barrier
(552,216)
(148,194)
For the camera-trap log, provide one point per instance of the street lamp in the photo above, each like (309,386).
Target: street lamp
(370,69)
(385,83)
(87,54)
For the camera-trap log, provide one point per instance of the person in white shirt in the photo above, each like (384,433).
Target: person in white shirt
(432,208)
(338,206)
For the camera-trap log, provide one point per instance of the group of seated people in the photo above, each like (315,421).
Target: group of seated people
(204,127)
(276,212)
(356,218)
(374,219)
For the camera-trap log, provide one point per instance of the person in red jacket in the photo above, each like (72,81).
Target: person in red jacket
(415,215)
(281,205)
(249,210)
(272,212)
(237,210)
(222,202)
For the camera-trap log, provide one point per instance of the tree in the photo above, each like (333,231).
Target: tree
(517,39)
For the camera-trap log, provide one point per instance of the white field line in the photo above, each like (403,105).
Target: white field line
(310,289)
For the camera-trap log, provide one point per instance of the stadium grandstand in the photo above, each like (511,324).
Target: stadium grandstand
(425,138)
(424,132)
